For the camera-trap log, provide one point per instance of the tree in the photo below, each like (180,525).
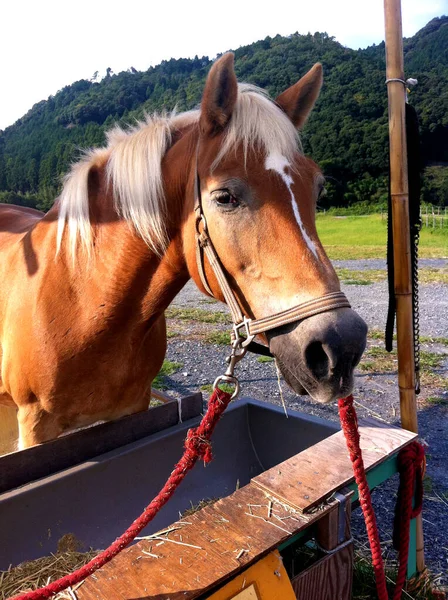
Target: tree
(347,133)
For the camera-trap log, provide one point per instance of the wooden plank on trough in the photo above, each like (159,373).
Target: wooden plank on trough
(308,478)
(200,551)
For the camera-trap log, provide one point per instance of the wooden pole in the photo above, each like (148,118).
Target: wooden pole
(401,230)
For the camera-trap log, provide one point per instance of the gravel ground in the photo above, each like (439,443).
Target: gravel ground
(370,301)
(376,393)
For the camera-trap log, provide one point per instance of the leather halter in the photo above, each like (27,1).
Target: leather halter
(242,324)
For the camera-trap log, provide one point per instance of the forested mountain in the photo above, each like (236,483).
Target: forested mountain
(347,133)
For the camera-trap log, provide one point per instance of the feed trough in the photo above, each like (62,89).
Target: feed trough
(92,484)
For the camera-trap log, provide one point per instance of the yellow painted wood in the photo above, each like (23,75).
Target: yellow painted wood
(9,430)
(265,580)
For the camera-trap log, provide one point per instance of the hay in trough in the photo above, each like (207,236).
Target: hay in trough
(195,507)
(34,574)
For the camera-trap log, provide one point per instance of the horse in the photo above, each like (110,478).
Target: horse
(85,286)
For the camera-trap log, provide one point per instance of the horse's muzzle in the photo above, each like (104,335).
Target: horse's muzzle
(318,355)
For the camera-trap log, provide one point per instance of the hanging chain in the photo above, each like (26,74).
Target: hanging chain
(415,238)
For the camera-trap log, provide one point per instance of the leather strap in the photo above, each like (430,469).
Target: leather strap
(298,313)
(261,349)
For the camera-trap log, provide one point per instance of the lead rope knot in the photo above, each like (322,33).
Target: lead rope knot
(198,446)
(197,443)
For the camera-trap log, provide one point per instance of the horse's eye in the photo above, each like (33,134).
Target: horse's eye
(225,199)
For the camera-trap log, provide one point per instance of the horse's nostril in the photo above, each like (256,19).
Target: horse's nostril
(317,359)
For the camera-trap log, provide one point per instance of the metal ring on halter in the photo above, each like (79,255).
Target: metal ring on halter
(228,379)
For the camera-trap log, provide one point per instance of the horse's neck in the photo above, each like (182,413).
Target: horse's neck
(131,277)
(122,273)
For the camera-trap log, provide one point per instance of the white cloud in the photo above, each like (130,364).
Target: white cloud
(48,44)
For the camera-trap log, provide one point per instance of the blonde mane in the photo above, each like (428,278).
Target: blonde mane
(133,159)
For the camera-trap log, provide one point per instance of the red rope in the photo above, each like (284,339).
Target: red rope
(410,467)
(410,461)
(349,422)
(197,445)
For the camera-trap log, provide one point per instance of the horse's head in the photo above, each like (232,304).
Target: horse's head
(259,195)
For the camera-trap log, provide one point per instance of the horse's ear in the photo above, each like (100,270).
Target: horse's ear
(298,100)
(219,96)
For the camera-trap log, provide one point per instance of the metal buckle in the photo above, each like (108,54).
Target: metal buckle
(245,323)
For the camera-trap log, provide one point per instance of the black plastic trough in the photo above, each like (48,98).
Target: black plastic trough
(97,499)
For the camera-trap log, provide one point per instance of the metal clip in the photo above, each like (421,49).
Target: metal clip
(237,353)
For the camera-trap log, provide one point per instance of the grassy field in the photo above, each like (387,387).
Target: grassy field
(365,237)
(366,277)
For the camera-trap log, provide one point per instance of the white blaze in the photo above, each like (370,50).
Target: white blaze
(278,163)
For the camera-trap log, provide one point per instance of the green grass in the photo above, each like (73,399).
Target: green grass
(225,387)
(434,340)
(365,237)
(432,275)
(377,334)
(357,282)
(168,368)
(220,338)
(197,314)
(428,484)
(437,400)
(207,387)
(428,360)
(354,277)
(154,402)
(377,360)
(431,360)
(364,587)
(265,359)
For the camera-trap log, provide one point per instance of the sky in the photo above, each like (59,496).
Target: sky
(47,44)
